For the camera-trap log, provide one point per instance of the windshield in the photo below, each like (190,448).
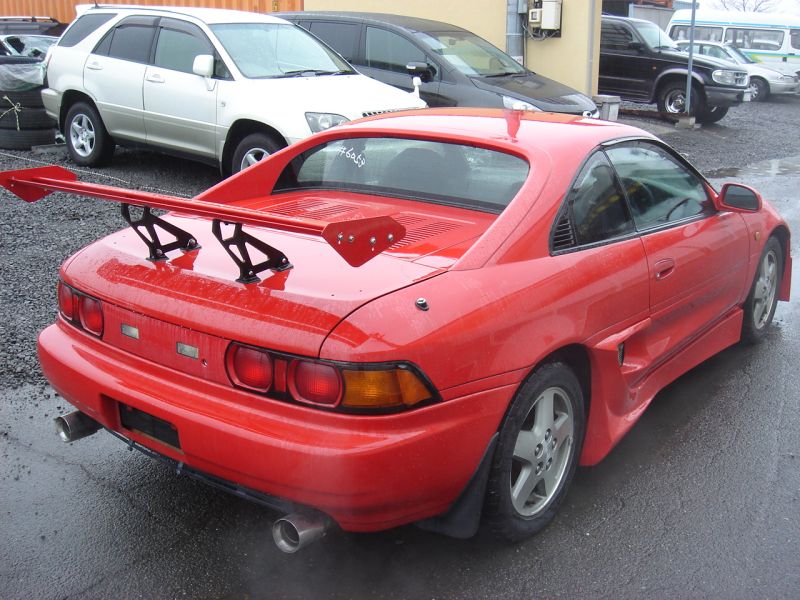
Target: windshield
(477,178)
(739,56)
(470,54)
(655,37)
(262,50)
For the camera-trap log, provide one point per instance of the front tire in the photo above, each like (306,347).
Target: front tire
(712,114)
(252,149)
(88,142)
(759,308)
(759,90)
(537,453)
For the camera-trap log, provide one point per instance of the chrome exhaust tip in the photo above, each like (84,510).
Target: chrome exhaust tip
(75,425)
(298,530)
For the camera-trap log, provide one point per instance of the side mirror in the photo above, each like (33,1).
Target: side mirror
(422,70)
(739,198)
(203,65)
(635,46)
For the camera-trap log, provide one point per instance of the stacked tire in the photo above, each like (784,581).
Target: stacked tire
(23,120)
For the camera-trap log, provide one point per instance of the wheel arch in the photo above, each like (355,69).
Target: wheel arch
(68,100)
(677,76)
(781,233)
(238,131)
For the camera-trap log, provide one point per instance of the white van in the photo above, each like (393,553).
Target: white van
(770,38)
(219,86)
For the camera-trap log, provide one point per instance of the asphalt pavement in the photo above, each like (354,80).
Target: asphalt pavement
(700,500)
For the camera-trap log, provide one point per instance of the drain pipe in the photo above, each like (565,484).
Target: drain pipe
(514,40)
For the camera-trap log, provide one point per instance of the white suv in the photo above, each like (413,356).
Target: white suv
(219,86)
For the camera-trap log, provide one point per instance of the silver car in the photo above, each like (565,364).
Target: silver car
(220,86)
(763,80)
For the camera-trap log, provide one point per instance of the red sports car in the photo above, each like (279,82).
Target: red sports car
(427,317)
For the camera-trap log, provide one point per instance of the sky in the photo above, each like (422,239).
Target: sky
(791,7)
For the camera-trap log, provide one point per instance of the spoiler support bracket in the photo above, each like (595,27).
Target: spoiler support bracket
(145,228)
(248,271)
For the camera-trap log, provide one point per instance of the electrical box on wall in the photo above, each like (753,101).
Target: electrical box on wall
(551,14)
(544,19)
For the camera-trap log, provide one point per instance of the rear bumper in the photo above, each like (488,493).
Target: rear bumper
(784,87)
(52,103)
(367,473)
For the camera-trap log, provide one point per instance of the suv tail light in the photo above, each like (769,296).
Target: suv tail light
(347,387)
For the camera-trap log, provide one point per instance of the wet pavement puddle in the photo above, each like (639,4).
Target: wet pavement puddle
(766,168)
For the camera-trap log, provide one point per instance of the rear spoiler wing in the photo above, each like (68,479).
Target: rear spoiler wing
(356,240)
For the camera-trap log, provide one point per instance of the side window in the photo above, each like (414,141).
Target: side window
(131,42)
(659,188)
(176,50)
(755,39)
(598,203)
(342,37)
(390,52)
(614,36)
(795,38)
(701,34)
(81,28)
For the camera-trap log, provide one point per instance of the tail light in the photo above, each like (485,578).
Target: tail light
(315,383)
(348,387)
(91,315)
(66,298)
(250,367)
(80,309)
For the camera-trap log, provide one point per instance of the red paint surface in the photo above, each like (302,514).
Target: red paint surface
(499,304)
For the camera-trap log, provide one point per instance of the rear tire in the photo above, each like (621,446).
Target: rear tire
(537,453)
(671,98)
(88,142)
(759,308)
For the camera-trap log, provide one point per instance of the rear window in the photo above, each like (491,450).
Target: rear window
(83,27)
(436,172)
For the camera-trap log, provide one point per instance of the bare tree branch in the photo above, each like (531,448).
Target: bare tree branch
(748,5)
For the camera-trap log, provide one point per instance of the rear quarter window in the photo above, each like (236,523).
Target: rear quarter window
(81,28)
(435,172)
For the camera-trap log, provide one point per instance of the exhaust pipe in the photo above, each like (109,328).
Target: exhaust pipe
(75,425)
(298,530)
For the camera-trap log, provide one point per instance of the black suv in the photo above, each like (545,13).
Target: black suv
(640,62)
(457,68)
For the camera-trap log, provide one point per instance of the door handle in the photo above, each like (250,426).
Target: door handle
(155,78)
(664,268)
(94,66)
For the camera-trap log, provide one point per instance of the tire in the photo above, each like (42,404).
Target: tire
(26,118)
(759,307)
(88,142)
(27,99)
(759,89)
(536,451)
(712,114)
(671,98)
(11,139)
(251,149)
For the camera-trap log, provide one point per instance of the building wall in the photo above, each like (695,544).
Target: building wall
(64,10)
(571,59)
